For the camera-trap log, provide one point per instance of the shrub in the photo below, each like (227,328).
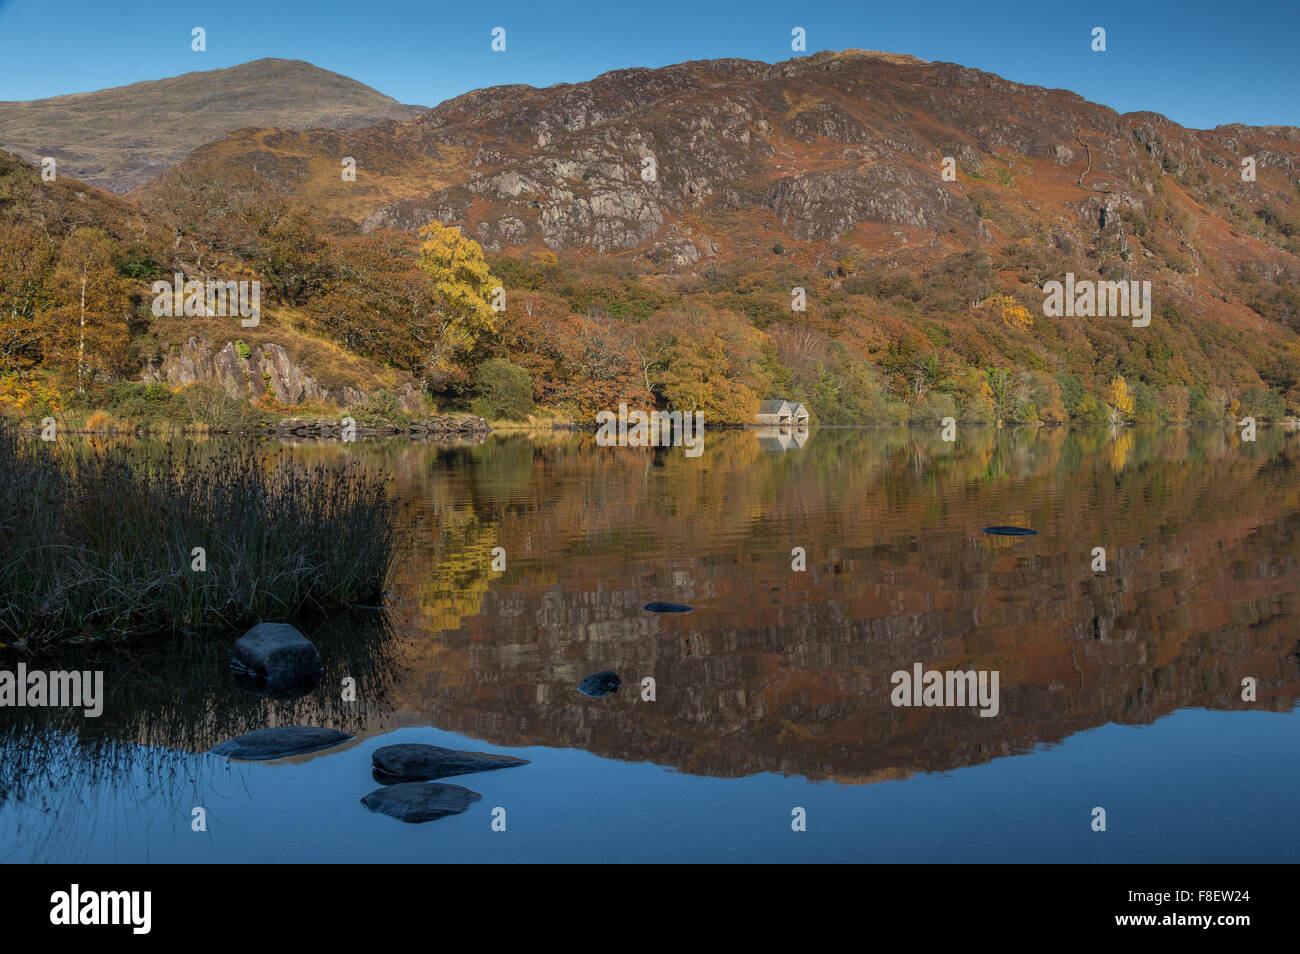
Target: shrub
(217,410)
(380,408)
(1207,406)
(98,421)
(932,409)
(1090,410)
(145,404)
(504,390)
(1263,404)
(1173,403)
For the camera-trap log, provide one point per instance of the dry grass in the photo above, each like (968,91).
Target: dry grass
(97,542)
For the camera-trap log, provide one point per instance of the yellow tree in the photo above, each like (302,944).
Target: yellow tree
(1012,313)
(1120,399)
(88,320)
(713,363)
(464,292)
(28,257)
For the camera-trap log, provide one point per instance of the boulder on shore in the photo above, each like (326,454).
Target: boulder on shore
(279,656)
(420,801)
(412,762)
(279,742)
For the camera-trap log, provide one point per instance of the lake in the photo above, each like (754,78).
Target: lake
(1161,689)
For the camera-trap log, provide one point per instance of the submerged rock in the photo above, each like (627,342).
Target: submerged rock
(420,801)
(600,684)
(276,660)
(1011,531)
(278,742)
(409,762)
(669,608)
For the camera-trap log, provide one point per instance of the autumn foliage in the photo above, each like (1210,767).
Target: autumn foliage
(951,336)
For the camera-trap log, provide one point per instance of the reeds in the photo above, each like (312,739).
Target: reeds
(104,542)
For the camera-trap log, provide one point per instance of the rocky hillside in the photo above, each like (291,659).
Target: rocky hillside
(119,138)
(813,149)
(650,228)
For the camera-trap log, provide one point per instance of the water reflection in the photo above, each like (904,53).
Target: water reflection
(778,669)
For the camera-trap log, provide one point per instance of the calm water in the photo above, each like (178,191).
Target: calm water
(1119,689)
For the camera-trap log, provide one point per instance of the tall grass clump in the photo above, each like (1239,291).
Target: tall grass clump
(102,542)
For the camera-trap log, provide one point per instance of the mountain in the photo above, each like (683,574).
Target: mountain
(119,138)
(811,149)
(652,228)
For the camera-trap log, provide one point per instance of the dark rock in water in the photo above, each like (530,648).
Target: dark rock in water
(278,742)
(278,659)
(412,762)
(669,608)
(600,684)
(420,801)
(1011,531)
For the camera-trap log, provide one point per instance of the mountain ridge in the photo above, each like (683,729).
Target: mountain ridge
(917,210)
(119,138)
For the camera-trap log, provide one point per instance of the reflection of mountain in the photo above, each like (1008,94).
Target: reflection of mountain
(784,671)
(778,670)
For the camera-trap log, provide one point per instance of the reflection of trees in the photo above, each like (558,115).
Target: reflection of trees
(784,671)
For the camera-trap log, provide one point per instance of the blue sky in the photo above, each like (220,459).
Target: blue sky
(1201,63)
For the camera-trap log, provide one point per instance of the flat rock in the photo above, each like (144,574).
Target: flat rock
(669,608)
(411,761)
(600,684)
(278,742)
(420,801)
(279,656)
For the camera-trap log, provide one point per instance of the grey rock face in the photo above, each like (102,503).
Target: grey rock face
(420,801)
(828,204)
(279,742)
(408,762)
(268,368)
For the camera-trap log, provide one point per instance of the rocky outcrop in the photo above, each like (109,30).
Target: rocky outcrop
(826,205)
(826,148)
(824,142)
(244,372)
